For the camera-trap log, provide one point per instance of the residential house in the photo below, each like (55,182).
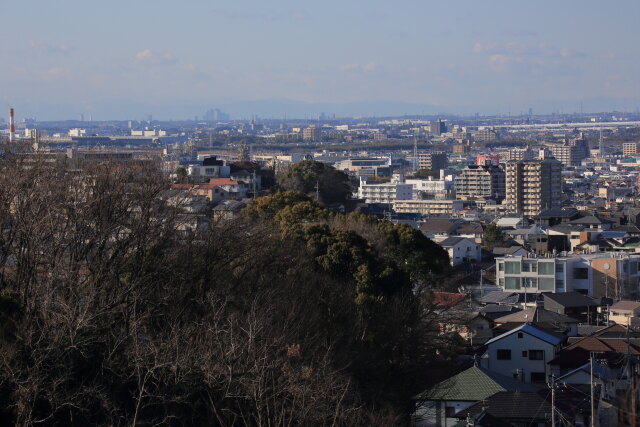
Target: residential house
(470,324)
(515,250)
(229,209)
(438,405)
(625,313)
(440,228)
(555,216)
(251,180)
(461,250)
(572,304)
(529,408)
(512,222)
(592,222)
(522,353)
(217,190)
(537,315)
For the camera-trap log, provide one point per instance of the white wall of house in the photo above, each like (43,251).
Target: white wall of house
(466,249)
(519,365)
(431,413)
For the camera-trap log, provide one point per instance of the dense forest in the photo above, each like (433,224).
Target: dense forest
(114,312)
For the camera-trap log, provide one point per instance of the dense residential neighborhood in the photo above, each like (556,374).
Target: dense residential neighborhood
(521,266)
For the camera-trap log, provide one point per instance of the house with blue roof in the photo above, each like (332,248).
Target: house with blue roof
(522,353)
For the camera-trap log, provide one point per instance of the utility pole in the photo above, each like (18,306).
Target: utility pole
(553,401)
(318,190)
(593,400)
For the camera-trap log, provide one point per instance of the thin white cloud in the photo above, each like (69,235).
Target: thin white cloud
(151,58)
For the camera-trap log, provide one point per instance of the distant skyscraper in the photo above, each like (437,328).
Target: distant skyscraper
(437,128)
(215,115)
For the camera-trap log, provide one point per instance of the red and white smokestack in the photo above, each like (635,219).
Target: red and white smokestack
(12,127)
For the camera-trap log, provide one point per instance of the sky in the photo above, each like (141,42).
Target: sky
(127,59)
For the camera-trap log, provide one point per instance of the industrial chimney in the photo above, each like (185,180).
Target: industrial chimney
(12,126)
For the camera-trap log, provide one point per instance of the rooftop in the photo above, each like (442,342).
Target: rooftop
(626,305)
(473,384)
(527,328)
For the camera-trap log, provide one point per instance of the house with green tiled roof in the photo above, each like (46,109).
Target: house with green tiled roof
(438,405)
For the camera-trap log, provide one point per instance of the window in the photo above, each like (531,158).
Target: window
(512,283)
(546,284)
(560,284)
(500,266)
(526,267)
(581,273)
(501,283)
(536,354)
(633,268)
(524,353)
(538,377)
(449,411)
(504,354)
(560,268)
(512,267)
(545,268)
(520,335)
(529,282)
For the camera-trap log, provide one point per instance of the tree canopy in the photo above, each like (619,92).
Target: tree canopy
(333,185)
(115,310)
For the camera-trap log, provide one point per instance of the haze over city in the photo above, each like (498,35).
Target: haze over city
(122,59)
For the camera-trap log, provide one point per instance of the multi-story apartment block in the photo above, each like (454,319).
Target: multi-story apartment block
(432,188)
(517,154)
(461,148)
(630,148)
(432,161)
(568,155)
(571,152)
(533,186)
(485,135)
(429,207)
(437,127)
(311,134)
(486,181)
(387,192)
(603,274)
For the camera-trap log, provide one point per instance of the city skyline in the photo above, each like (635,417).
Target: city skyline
(118,60)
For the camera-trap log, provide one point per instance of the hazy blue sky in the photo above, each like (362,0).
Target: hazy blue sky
(171,58)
